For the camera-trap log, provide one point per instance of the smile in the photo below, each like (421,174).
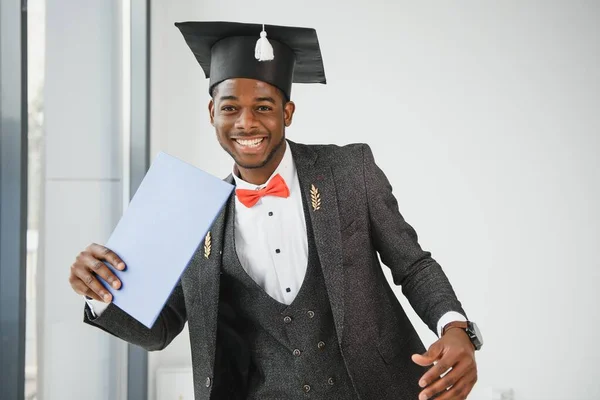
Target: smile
(250,143)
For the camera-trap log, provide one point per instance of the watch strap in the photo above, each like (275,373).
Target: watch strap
(455,324)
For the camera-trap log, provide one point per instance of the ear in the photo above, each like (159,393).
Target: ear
(288,112)
(211,111)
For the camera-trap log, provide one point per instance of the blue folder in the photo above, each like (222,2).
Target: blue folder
(165,222)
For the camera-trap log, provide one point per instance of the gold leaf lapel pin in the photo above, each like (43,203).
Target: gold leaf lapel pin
(315,198)
(207,245)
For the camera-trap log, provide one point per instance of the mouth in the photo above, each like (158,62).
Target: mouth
(251,147)
(250,143)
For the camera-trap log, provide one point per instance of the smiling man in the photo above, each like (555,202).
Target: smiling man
(293,302)
(250,117)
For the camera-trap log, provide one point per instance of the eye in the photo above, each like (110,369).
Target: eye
(228,108)
(264,108)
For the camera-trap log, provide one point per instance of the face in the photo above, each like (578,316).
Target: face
(250,118)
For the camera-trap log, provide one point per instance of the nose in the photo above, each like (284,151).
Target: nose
(246,121)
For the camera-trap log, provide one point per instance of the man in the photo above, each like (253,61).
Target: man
(286,297)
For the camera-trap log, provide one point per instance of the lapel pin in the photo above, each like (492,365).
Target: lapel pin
(207,245)
(315,198)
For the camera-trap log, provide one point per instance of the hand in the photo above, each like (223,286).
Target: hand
(452,351)
(88,266)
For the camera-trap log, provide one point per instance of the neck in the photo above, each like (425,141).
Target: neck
(259,176)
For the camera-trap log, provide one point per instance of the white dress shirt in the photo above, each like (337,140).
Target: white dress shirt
(271,240)
(270,237)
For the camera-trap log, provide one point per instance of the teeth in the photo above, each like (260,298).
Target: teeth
(250,143)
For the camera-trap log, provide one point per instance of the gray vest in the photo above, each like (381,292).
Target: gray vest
(293,349)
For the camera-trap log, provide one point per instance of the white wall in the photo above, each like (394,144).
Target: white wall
(83,178)
(484,115)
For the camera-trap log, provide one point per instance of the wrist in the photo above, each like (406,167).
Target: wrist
(462,325)
(469,328)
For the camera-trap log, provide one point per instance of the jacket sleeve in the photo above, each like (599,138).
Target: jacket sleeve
(423,282)
(168,325)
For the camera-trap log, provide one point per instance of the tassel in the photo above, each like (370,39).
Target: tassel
(263,50)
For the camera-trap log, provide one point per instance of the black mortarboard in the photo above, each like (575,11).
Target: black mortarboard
(236,50)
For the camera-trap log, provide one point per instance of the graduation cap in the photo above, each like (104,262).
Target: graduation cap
(228,50)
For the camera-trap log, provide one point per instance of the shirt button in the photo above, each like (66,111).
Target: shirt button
(297,353)
(277,251)
(321,345)
(287,319)
(311,314)
(331,381)
(270,213)
(207,383)
(306,388)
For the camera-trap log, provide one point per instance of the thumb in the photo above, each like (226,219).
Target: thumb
(433,353)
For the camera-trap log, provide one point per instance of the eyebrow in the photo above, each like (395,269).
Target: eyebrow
(257,99)
(269,99)
(222,98)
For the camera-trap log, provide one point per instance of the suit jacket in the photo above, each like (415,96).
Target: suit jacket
(355,218)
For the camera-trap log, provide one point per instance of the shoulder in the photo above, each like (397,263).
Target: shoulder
(336,154)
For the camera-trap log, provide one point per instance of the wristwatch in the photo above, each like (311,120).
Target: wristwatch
(470,328)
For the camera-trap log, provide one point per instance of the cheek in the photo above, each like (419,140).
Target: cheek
(221,134)
(274,124)
(222,127)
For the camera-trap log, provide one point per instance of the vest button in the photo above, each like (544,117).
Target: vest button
(331,381)
(287,319)
(207,383)
(311,314)
(306,388)
(321,345)
(297,353)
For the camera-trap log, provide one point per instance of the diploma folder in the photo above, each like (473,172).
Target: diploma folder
(159,232)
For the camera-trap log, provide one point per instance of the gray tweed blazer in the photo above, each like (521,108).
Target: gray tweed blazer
(355,218)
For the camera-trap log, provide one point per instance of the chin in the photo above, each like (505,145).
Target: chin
(250,164)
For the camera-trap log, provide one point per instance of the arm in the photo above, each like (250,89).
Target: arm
(425,286)
(84,277)
(169,324)
(423,282)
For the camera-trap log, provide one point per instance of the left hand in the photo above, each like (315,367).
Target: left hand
(453,350)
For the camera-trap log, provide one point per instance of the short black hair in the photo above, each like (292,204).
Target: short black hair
(284,99)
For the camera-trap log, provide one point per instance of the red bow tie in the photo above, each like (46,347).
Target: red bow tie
(276,187)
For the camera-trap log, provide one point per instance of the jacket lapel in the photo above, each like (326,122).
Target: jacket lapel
(210,259)
(318,188)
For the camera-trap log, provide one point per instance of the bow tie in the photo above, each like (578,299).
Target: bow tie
(276,187)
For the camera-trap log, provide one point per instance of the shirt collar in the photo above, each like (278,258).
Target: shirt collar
(286,169)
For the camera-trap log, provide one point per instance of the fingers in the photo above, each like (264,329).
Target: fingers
(105,254)
(436,371)
(100,269)
(89,266)
(450,379)
(429,357)
(84,274)
(461,388)
(82,289)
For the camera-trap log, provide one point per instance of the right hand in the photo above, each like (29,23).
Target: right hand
(88,266)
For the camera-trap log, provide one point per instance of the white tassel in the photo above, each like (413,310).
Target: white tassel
(263,50)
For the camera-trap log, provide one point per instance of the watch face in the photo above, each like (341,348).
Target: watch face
(475,335)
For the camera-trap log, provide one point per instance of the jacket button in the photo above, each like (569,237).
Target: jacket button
(306,388)
(331,381)
(287,319)
(321,345)
(207,383)
(297,353)
(311,314)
